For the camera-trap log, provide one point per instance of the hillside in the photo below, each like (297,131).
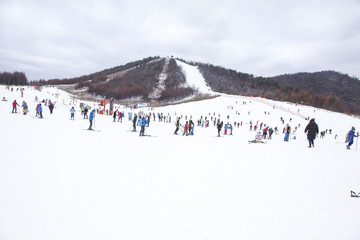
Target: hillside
(327,83)
(168,80)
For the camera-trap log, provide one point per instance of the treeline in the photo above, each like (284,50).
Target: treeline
(97,77)
(328,102)
(176,93)
(15,78)
(326,83)
(129,65)
(175,75)
(233,82)
(310,93)
(138,81)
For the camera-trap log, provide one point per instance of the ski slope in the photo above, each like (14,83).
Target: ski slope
(194,79)
(59,181)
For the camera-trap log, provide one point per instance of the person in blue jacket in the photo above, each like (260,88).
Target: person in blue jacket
(72,111)
(91,118)
(40,110)
(143,124)
(350,138)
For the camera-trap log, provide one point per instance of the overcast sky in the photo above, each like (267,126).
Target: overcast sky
(67,38)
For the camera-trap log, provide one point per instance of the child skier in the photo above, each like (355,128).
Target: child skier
(25,108)
(350,138)
(186,128)
(72,112)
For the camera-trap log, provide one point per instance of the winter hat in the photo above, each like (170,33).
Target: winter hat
(353,128)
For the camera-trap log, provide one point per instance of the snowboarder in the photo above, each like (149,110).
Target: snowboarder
(350,138)
(312,129)
(91,118)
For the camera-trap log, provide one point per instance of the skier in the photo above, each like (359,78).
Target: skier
(134,123)
(219,127)
(114,115)
(177,124)
(258,138)
(51,107)
(25,108)
(120,117)
(312,129)
(40,110)
(350,138)
(191,127)
(91,118)
(14,106)
(271,131)
(265,131)
(37,110)
(86,112)
(287,133)
(72,111)
(148,120)
(143,124)
(186,128)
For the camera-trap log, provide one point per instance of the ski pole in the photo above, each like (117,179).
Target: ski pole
(94,122)
(357,139)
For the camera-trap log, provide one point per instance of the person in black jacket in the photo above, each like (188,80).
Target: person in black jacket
(219,127)
(134,123)
(312,129)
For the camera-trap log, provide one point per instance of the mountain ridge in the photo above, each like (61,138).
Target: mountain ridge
(140,79)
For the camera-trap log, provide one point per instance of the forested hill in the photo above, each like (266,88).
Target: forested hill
(328,83)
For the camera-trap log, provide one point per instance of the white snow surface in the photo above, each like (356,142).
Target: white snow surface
(194,78)
(59,181)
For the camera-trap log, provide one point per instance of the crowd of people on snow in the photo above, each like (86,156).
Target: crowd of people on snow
(262,130)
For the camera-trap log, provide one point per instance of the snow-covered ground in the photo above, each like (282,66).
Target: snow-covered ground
(59,181)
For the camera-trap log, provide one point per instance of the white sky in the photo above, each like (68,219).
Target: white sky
(67,38)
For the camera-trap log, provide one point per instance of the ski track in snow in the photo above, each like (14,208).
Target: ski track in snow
(58,181)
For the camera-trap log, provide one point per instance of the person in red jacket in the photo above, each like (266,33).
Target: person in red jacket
(186,129)
(14,106)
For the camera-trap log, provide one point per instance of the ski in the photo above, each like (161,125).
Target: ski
(92,130)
